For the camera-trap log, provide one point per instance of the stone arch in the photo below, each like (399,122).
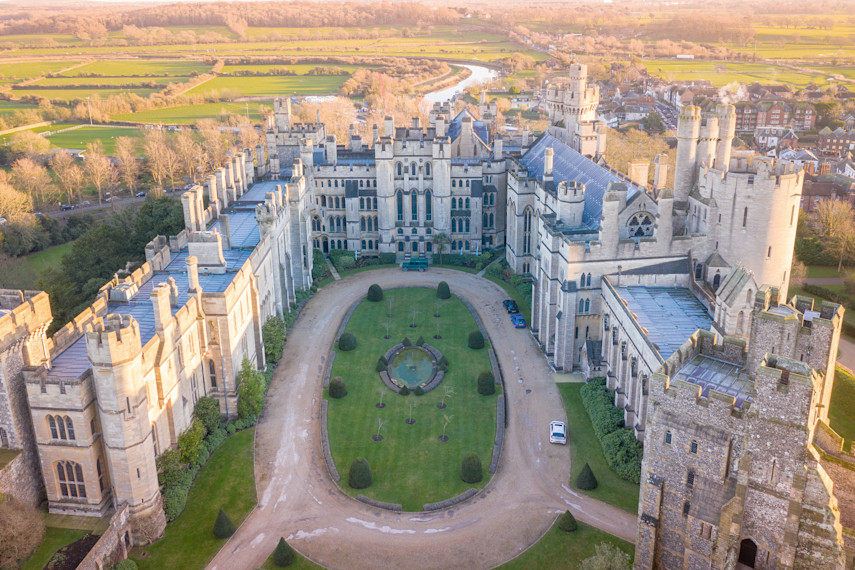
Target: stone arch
(748,552)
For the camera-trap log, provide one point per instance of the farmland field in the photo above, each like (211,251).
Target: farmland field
(78,138)
(686,70)
(128,68)
(32,69)
(189,114)
(299,69)
(51,127)
(63,81)
(9,107)
(272,86)
(72,94)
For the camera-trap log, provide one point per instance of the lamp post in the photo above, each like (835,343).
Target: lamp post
(89,107)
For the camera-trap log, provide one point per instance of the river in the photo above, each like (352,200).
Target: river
(479,74)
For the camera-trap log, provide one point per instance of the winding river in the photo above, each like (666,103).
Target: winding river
(480,74)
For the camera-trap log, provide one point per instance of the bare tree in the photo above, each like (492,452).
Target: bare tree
(21,531)
(189,153)
(214,141)
(126,162)
(446,419)
(380,423)
(383,391)
(410,420)
(29,144)
(99,169)
(13,203)
(154,144)
(449,392)
(69,175)
(835,222)
(32,178)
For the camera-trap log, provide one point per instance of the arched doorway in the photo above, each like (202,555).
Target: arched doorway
(747,552)
(326,243)
(716,281)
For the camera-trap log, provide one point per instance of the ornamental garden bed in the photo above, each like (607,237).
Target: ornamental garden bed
(402,439)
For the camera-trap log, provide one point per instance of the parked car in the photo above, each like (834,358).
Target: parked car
(518,320)
(85,203)
(108,199)
(140,194)
(510,306)
(557,432)
(66,207)
(187,187)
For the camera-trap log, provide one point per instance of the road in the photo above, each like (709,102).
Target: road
(298,500)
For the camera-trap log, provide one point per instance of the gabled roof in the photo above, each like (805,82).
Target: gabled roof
(478,127)
(570,165)
(715,260)
(734,284)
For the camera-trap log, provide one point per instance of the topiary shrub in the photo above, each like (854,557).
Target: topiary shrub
(337,388)
(375,293)
(486,383)
(420,341)
(126,564)
(224,527)
(442,291)
(471,471)
(407,341)
(585,480)
(360,474)
(381,365)
(567,522)
(284,555)
(442,364)
(476,340)
(404,391)
(419,391)
(347,342)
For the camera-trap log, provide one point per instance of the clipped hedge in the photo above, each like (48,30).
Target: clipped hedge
(223,526)
(476,340)
(622,451)
(338,389)
(471,470)
(360,474)
(567,522)
(375,293)
(284,555)
(347,342)
(442,291)
(486,383)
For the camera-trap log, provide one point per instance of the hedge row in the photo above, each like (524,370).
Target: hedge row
(622,451)
(833,296)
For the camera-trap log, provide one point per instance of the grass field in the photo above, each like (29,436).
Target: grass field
(841,411)
(111,81)
(271,86)
(299,69)
(682,70)
(189,114)
(32,69)
(410,465)
(49,257)
(9,107)
(227,482)
(586,448)
(824,271)
(80,94)
(55,538)
(559,549)
(126,68)
(79,138)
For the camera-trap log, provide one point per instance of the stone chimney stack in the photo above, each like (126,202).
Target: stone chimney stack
(497,148)
(390,126)
(193,275)
(660,171)
(638,171)
(439,125)
(173,292)
(298,168)
(162,310)
(548,160)
(331,149)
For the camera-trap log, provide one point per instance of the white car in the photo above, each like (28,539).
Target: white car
(557,432)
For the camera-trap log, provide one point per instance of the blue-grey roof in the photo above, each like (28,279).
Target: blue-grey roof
(259,189)
(244,228)
(570,165)
(670,315)
(478,127)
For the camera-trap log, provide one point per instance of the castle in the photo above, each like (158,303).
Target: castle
(608,255)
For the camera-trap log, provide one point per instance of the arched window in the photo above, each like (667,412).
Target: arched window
(212,372)
(413,169)
(399,197)
(428,205)
(60,424)
(581,305)
(427,169)
(454,203)
(467,246)
(740,324)
(749,296)
(54,434)
(69,426)
(401,246)
(589,280)
(467,199)
(101,473)
(467,226)
(490,221)
(362,224)
(527,231)
(640,225)
(323,201)
(400,169)
(453,224)
(70,476)
(429,247)
(453,246)
(4,438)
(668,437)
(361,202)
(587,305)
(374,200)
(454,183)
(414,204)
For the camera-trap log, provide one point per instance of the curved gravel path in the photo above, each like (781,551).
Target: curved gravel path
(297,499)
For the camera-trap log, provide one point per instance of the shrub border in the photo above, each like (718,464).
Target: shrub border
(469,493)
(380,504)
(325,443)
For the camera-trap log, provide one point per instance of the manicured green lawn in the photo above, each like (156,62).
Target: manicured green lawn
(586,448)
(79,138)
(226,482)
(49,257)
(55,538)
(410,465)
(824,271)
(272,86)
(841,411)
(559,549)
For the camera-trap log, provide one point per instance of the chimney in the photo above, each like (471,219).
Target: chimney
(221,187)
(638,171)
(374,134)
(193,275)
(356,143)
(497,149)
(280,199)
(660,171)
(173,292)
(525,137)
(225,232)
(191,215)
(332,151)
(213,198)
(416,124)
(548,159)
(390,126)
(298,168)
(162,311)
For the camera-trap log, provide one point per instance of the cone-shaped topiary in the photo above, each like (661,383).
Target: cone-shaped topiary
(375,293)
(442,291)
(407,341)
(284,555)
(337,388)
(419,391)
(223,527)
(347,342)
(476,340)
(471,471)
(585,480)
(421,341)
(404,391)
(567,522)
(486,383)
(360,474)
(381,365)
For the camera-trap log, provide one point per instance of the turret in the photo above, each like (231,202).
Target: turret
(571,202)
(688,130)
(307,154)
(707,139)
(389,123)
(726,132)
(331,150)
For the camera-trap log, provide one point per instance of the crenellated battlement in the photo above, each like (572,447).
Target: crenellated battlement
(113,340)
(23,313)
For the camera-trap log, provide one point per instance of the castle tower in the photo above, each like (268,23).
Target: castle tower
(572,106)
(571,202)
(726,132)
(115,351)
(688,130)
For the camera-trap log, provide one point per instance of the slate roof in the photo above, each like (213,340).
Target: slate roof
(733,285)
(570,165)
(478,127)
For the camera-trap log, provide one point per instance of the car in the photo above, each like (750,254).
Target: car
(518,320)
(66,207)
(187,187)
(85,203)
(140,194)
(510,306)
(557,432)
(108,199)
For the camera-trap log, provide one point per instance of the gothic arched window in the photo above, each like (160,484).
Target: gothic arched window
(640,225)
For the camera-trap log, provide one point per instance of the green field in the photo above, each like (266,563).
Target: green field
(81,94)
(9,107)
(189,114)
(79,138)
(299,69)
(559,549)
(226,481)
(55,538)
(841,411)
(127,68)
(32,69)
(410,465)
(683,70)
(161,80)
(272,86)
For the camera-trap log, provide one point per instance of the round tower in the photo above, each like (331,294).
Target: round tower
(688,130)
(726,132)
(571,202)
(707,139)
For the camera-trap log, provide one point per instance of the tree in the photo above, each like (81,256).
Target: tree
(32,178)
(585,480)
(69,175)
(476,340)
(21,532)
(284,555)
(29,144)
(207,411)
(442,291)
(14,205)
(375,293)
(347,342)
(471,470)
(126,162)
(250,388)
(439,242)
(214,141)
(274,334)
(567,522)
(190,442)
(156,149)
(608,557)
(653,123)
(337,389)
(169,467)
(98,168)
(189,153)
(835,221)
(223,527)
(360,476)
(486,383)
